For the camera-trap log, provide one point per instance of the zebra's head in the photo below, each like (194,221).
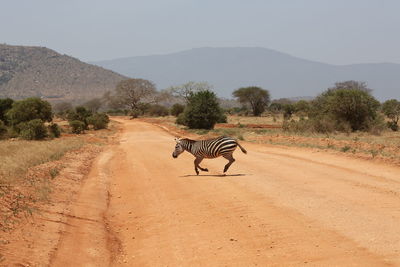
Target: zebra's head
(178,148)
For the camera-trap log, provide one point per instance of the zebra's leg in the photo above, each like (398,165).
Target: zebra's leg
(231,160)
(196,165)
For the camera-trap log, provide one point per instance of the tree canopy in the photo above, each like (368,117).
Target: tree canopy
(29,109)
(202,111)
(256,97)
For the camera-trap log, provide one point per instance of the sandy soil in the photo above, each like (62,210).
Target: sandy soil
(277,206)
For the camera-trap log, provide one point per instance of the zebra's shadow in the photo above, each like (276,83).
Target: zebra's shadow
(214,175)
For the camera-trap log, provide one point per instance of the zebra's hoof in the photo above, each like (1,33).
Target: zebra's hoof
(206,170)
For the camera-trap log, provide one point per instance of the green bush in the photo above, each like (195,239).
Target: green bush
(181,119)
(32,130)
(177,109)
(54,130)
(29,109)
(202,110)
(5,105)
(80,114)
(288,111)
(3,130)
(348,103)
(158,110)
(99,121)
(391,108)
(77,127)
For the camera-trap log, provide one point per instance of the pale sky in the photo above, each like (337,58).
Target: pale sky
(330,31)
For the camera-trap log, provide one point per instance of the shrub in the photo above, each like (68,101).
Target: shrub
(99,121)
(348,103)
(32,130)
(376,125)
(77,127)
(393,125)
(80,114)
(54,130)
(3,130)
(177,109)
(29,109)
(5,105)
(391,108)
(288,111)
(202,110)
(158,110)
(181,119)
(222,118)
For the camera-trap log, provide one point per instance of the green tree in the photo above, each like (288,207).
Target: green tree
(202,111)
(5,105)
(391,108)
(347,103)
(29,109)
(256,97)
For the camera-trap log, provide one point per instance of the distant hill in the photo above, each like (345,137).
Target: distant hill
(230,68)
(38,71)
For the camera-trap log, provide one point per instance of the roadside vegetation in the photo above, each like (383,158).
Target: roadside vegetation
(345,117)
(29,137)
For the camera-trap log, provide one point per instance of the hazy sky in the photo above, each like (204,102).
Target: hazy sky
(331,31)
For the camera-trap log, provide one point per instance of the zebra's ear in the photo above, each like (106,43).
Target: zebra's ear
(177,139)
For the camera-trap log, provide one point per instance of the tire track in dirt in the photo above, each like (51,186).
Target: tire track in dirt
(88,240)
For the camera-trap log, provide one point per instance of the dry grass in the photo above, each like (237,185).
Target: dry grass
(271,120)
(17,156)
(385,146)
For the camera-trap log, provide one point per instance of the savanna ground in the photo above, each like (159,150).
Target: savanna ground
(118,198)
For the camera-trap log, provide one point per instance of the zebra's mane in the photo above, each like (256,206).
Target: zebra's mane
(188,140)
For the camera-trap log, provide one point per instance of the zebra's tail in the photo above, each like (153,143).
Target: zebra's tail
(241,148)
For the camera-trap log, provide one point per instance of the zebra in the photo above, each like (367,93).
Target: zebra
(211,148)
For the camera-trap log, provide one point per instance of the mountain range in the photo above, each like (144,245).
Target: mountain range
(230,68)
(38,71)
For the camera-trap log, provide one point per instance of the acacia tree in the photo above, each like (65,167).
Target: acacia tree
(133,93)
(391,108)
(256,97)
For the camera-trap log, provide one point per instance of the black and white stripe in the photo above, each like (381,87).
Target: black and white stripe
(212,148)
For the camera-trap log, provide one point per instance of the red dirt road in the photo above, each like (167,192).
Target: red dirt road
(276,207)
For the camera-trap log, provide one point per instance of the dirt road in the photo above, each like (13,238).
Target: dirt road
(276,207)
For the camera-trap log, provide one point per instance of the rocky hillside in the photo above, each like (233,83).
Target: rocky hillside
(38,71)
